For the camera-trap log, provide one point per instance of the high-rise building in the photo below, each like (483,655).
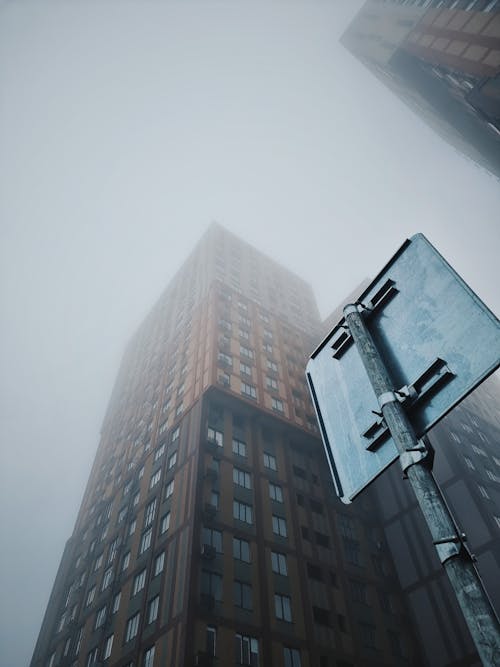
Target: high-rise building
(208,533)
(442,58)
(467,467)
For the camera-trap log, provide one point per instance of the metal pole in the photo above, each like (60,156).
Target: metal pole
(477,609)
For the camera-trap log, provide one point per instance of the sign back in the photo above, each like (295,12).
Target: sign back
(438,341)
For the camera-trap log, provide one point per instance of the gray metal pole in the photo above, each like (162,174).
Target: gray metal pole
(477,609)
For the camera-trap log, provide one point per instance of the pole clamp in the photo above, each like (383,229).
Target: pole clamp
(387,397)
(352,308)
(450,546)
(409,457)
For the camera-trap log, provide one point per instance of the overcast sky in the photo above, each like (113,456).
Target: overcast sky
(125,128)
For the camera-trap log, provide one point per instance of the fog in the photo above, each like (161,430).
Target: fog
(126,127)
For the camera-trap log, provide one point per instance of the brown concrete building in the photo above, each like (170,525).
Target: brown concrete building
(208,533)
(442,58)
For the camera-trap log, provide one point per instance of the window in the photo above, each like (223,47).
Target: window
(155,478)
(139,582)
(279,526)
(215,436)
(492,476)
(215,499)
(352,551)
(314,572)
(159,452)
(122,514)
(100,617)
(92,657)
(242,511)
(90,596)
(272,365)
(213,538)
(169,489)
(395,642)
(321,616)
(316,506)
(106,579)
(175,434)
(172,460)
(132,525)
(108,645)
(242,478)
(283,607)
(367,635)
(246,650)
(271,383)
(159,564)
(359,591)
(211,584)
(153,606)
(52,660)
(242,595)
(149,657)
(386,602)
(113,549)
(116,603)
(132,627)
(248,390)
(270,461)
(149,513)
(244,334)
(145,540)
(275,492)
(469,463)
(239,447)
(225,359)
(179,409)
(126,561)
(61,623)
(245,369)
(98,562)
(67,645)
(246,352)
(292,657)
(241,549)
(497,521)
(165,523)
(79,639)
(211,640)
(278,563)
(277,404)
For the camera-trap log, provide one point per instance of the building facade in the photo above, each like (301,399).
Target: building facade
(208,533)
(442,58)
(467,467)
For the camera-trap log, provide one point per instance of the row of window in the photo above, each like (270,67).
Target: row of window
(239,447)
(211,586)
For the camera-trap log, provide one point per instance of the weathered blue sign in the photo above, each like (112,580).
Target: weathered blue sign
(438,341)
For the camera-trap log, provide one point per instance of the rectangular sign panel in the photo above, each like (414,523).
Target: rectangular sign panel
(437,340)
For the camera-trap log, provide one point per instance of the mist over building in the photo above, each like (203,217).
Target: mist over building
(209,532)
(442,58)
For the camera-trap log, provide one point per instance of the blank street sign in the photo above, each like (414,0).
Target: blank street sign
(438,341)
